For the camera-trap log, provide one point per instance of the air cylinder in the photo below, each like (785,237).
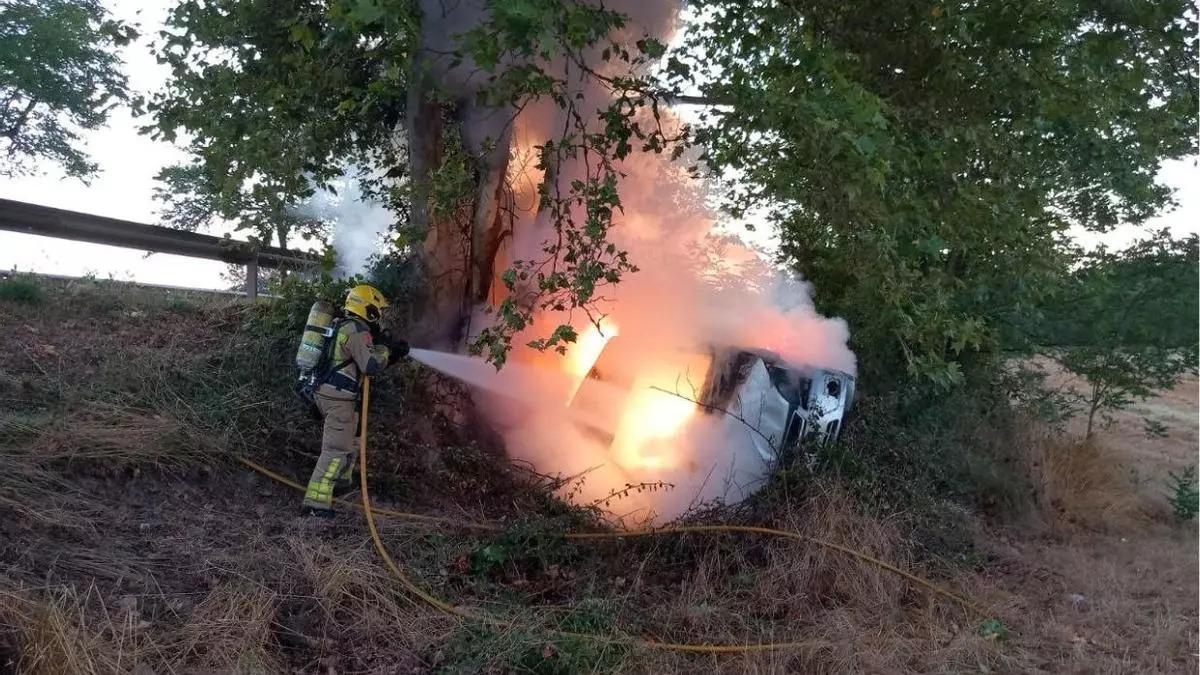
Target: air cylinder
(317,330)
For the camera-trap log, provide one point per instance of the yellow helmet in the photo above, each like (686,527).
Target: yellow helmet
(365,301)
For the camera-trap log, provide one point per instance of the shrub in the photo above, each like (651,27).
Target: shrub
(1184,496)
(24,290)
(932,459)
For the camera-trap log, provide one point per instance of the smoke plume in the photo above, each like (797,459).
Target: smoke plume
(697,289)
(359,222)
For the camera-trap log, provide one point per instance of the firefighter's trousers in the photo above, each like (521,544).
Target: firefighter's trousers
(337,459)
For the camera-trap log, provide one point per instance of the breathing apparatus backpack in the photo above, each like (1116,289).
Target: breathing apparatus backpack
(315,352)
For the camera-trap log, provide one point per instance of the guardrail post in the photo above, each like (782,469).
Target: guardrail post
(252,277)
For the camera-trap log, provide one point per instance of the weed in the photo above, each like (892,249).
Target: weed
(525,547)
(22,290)
(181,304)
(486,648)
(1184,496)
(994,629)
(490,558)
(1154,429)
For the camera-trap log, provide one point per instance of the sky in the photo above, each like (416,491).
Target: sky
(129,161)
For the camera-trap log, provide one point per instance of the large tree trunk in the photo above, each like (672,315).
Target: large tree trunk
(442,255)
(489,223)
(458,256)
(460,250)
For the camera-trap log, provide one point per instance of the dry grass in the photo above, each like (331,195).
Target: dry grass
(1138,612)
(56,633)
(231,631)
(122,436)
(852,616)
(361,603)
(1100,603)
(38,454)
(32,494)
(1084,482)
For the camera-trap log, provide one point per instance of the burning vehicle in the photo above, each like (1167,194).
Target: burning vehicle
(752,408)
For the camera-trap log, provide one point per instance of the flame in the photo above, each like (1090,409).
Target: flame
(660,405)
(583,355)
(654,412)
(586,351)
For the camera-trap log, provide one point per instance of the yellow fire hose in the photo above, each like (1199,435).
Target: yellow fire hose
(370,512)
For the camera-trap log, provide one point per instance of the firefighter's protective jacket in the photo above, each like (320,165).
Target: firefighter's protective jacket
(354,354)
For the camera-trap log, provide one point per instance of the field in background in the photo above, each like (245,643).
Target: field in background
(130,540)
(1147,460)
(1111,578)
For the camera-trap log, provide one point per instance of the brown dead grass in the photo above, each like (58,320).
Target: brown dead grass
(230,631)
(38,454)
(1083,482)
(361,602)
(852,616)
(56,633)
(1081,601)
(121,436)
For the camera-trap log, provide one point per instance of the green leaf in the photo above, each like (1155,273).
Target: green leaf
(865,145)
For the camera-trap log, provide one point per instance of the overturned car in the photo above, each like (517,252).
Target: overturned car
(748,407)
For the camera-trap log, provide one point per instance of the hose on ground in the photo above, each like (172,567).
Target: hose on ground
(452,610)
(461,613)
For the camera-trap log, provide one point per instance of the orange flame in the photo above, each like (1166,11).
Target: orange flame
(660,405)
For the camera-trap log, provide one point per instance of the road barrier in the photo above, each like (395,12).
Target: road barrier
(62,224)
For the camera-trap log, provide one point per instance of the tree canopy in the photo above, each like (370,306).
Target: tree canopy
(60,74)
(193,201)
(282,95)
(923,160)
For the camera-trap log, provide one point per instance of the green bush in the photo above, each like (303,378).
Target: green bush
(297,292)
(21,289)
(1184,496)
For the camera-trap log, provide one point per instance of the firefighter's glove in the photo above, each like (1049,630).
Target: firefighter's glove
(397,349)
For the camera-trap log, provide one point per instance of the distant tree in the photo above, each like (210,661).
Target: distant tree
(193,199)
(59,75)
(1126,323)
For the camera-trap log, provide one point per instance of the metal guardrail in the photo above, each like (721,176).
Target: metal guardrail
(62,224)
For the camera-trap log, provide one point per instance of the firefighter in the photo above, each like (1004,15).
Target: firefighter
(360,348)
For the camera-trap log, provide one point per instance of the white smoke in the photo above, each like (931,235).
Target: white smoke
(359,222)
(698,288)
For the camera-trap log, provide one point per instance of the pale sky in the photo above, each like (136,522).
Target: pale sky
(129,161)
